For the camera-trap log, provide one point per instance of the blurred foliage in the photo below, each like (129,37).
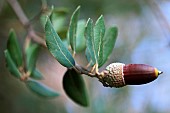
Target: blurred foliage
(15,98)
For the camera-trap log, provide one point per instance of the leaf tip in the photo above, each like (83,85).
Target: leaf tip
(78,7)
(11,35)
(77,10)
(100,19)
(6,52)
(89,21)
(11,30)
(101,16)
(115,29)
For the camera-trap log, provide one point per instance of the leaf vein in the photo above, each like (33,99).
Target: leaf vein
(100,41)
(61,50)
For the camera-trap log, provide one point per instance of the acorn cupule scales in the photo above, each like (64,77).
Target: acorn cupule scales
(119,74)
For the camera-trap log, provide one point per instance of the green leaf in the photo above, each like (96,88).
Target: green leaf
(14,49)
(109,42)
(87,53)
(43,19)
(36,74)
(44,15)
(99,31)
(58,17)
(11,65)
(88,57)
(89,35)
(80,39)
(65,42)
(56,47)
(73,28)
(74,87)
(40,89)
(31,56)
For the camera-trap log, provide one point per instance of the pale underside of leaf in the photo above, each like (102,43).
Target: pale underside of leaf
(36,74)
(31,56)
(109,42)
(88,57)
(73,28)
(80,39)
(89,34)
(99,31)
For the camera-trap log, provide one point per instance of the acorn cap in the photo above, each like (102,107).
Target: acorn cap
(113,75)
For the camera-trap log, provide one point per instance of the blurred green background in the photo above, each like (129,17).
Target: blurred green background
(143,37)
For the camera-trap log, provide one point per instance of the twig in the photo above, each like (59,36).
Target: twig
(19,12)
(82,70)
(32,34)
(35,37)
(25,22)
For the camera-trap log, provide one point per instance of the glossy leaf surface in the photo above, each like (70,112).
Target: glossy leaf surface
(74,87)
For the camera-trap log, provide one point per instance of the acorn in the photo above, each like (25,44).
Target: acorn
(119,75)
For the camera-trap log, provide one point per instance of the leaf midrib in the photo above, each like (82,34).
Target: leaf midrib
(60,49)
(92,40)
(94,50)
(99,47)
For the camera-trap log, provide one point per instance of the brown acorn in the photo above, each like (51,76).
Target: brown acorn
(119,74)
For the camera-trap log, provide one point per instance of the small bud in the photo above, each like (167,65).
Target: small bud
(119,74)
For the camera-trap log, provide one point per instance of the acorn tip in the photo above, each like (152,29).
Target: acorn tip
(160,72)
